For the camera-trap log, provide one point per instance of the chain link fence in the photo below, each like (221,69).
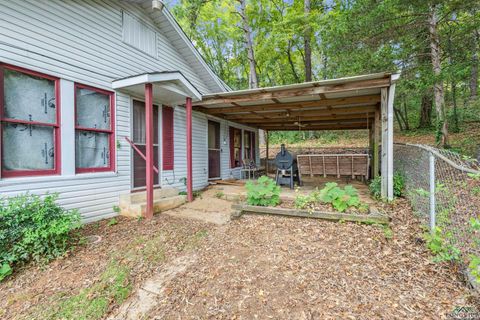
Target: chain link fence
(443,188)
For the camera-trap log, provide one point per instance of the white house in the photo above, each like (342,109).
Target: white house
(74,76)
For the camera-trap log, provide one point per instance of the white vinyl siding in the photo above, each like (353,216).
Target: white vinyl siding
(82,42)
(139,35)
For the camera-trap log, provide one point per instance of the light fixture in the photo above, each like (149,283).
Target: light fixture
(158,5)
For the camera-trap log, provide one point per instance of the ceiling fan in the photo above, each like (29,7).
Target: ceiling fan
(300,124)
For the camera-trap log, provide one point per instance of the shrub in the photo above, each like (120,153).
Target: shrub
(32,228)
(375,186)
(306,201)
(264,192)
(341,199)
(439,243)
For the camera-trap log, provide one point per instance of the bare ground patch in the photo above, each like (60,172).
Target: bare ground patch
(283,268)
(257,266)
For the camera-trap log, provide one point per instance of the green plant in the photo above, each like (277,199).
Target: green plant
(116,209)
(476,190)
(32,228)
(341,199)
(112,222)
(440,245)
(388,232)
(474,267)
(264,192)
(219,194)
(375,186)
(306,201)
(474,176)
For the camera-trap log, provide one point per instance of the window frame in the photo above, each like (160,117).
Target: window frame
(232,146)
(56,126)
(111,132)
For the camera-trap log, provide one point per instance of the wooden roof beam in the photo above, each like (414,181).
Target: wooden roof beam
(295,92)
(315,118)
(368,99)
(306,113)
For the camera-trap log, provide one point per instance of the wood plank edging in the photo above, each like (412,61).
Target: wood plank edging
(373,217)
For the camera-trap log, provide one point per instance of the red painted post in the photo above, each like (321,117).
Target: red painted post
(189,150)
(149,148)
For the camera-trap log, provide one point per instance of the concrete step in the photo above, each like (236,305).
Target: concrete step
(135,204)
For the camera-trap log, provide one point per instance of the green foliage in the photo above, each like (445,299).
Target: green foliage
(439,243)
(306,201)
(264,192)
(32,228)
(341,199)
(388,232)
(375,186)
(474,267)
(112,222)
(116,209)
(93,302)
(474,176)
(219,195)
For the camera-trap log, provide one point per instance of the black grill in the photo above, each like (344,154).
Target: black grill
(287,169)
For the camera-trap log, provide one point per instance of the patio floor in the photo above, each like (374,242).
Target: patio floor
(234,192)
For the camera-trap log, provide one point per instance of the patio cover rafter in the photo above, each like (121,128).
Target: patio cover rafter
(282,107)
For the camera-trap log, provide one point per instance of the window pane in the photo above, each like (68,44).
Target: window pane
(246,139)
(28,97)
(27,147)
(93,109)
(238,138)
(139,127)
(92,149)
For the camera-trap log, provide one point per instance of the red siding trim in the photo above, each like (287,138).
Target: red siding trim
(111,132)
(56,134)
(168,156)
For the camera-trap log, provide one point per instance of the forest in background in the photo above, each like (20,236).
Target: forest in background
(434,44)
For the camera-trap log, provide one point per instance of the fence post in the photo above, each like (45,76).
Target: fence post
(432,190)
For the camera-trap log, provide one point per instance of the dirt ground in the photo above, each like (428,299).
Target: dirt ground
(265,267)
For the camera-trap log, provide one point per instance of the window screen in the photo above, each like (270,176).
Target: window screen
(94,138)
(29,123)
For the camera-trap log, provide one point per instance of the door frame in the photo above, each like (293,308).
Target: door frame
(159,105)
(219,149)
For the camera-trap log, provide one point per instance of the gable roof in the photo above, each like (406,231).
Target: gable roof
(166,22)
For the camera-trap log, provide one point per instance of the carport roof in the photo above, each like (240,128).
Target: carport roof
(344,103)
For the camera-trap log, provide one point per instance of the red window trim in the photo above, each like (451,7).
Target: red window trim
(56,131)
(111,132)
(170,131)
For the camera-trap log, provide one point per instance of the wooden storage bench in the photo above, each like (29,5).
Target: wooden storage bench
(350,165)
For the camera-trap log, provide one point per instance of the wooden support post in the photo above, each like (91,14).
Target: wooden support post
(391,96)
(376,143)
(310,163)
(149,148)
(324,170)
(384,164)
(189,150)
(266,153)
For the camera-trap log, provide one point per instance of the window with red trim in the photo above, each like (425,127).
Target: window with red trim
(94,129)
(29,122)
(168,156)
(235,147)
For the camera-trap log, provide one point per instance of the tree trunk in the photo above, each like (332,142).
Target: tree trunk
(438,93)
(290,61)
(405,113)
(426,110)
(474,71)
(307,44)
(253,79)
(456,127)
